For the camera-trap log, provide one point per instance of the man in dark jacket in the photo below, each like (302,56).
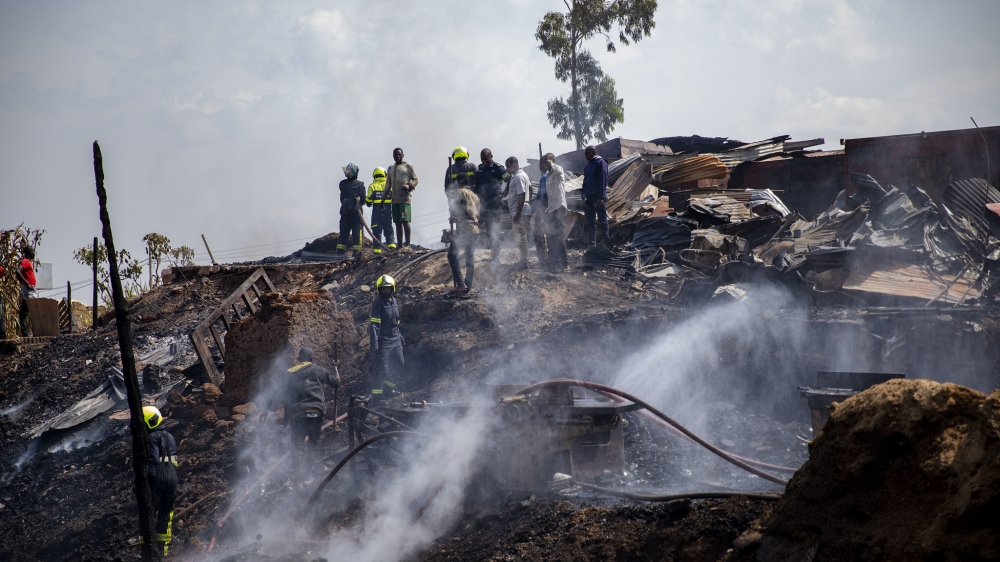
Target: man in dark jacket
(161,474)
(352,192)
(595,195)
(305,402)
(385,340)
(489,188)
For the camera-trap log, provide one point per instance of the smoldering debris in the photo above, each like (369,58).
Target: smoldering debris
(717,296)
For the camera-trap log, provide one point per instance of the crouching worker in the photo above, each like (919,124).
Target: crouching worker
(305,403)
(162,475)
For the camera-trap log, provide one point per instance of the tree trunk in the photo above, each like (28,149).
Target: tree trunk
(140,438)
(575,100)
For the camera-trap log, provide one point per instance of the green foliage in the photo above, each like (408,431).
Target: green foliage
(129,270)
(593,106)
(11,242)
(182,256)
(157,249)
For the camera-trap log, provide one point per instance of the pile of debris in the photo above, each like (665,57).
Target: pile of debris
(881,246)
(907,470)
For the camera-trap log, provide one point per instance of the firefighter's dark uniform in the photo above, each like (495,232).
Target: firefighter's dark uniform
(489,188)
(163,482)
(350,219)
(380,200)
(306,401)
(387,346)
(460,174)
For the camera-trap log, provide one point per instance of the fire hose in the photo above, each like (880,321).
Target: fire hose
(687,496)
(364,223)
(691,435)
(675,431)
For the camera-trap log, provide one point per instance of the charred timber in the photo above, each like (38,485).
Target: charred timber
(140,439)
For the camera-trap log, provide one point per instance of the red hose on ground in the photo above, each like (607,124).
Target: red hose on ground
(353,452)
(602,388)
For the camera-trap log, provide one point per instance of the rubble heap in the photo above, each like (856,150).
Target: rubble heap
(907,470)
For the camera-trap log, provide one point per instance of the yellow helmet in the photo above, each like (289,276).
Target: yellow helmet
(152,416)
(385,280)
(379,172)
(459,152)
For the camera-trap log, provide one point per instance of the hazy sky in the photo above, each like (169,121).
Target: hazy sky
(233,118)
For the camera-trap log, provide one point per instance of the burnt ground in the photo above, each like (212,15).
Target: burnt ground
(68,496)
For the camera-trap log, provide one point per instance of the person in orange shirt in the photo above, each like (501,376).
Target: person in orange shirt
(26,275)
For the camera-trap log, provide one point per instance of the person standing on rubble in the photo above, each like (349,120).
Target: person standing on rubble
(385,340)
(595,195)
(162,474)
(305,403)
(380,200)
(555,211)
(463,205)
(352,191)
(489,188)
(26,275)
(520,210)
(400,181)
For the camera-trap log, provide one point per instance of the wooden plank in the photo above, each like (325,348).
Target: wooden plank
(250,307)
(201,349)
(218,341)
(227,321)
(239,314)
(267,281)
(44,317)
(256,290)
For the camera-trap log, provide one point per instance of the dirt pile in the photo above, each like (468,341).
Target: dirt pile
(907,470)
(545,529)
(277,331)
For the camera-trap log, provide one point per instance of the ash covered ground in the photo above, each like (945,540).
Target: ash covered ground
(728,370)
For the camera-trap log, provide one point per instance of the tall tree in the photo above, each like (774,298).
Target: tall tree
(593,107)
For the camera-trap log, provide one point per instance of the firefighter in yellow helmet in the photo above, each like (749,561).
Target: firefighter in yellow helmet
(385,340)
(461,172)
(380,200)
(161,474)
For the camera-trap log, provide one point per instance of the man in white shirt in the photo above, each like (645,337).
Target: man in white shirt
(555,212)
(520,210)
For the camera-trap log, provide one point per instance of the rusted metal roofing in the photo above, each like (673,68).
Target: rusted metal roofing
(909,280)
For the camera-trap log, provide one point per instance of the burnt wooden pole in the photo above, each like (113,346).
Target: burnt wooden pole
(93,326)
(140,438)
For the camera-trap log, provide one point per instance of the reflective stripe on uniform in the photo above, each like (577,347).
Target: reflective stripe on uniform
(376,320)
(390,384)
(392,246)
(341,246)
(376,391)
(455,176)
(376,250)
(171,458)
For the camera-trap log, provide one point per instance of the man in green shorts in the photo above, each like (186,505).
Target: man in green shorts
(401,180)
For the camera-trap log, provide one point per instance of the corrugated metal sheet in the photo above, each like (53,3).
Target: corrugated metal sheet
(908,280)
(752,151)
(929,160)
(968,199)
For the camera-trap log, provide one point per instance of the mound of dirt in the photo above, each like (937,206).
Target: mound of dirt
(907,470)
